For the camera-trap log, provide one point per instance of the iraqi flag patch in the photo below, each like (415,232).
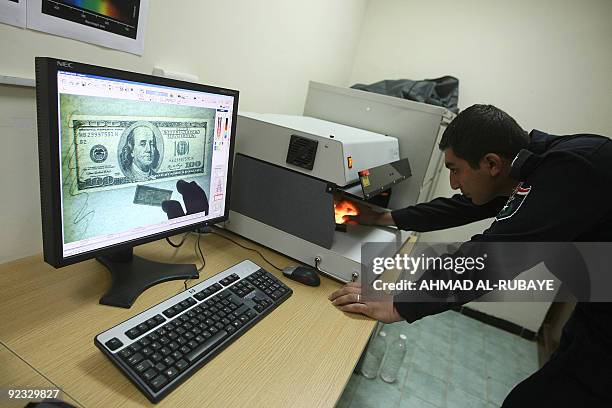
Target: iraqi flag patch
(514,202)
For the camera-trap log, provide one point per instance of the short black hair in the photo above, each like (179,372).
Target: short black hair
(482,129)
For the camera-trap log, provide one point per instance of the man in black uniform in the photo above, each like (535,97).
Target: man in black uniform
(540,188)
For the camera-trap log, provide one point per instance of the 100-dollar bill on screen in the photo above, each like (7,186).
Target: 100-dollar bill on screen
(119,151)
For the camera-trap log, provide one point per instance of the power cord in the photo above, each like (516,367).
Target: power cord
(245,247)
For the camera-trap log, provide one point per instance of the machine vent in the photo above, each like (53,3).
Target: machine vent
(302,152)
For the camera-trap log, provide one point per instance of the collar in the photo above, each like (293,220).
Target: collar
(527,159)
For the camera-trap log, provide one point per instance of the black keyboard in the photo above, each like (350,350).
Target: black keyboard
(161,347)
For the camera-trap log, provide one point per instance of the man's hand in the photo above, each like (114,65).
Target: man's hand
(348,299)
(367,216)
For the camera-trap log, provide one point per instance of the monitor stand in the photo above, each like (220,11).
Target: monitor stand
(132,275)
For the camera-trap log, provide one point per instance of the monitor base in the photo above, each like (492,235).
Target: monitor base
(132,275)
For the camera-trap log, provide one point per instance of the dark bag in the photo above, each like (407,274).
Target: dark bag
(442,91)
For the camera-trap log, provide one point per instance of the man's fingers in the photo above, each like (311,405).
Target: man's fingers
(346,299)
(355,308)
(348,288)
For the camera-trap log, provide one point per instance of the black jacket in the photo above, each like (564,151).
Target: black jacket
(565,195)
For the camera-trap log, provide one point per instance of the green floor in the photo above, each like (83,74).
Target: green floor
(452,361)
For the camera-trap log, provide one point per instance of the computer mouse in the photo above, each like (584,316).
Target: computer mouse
(303,274)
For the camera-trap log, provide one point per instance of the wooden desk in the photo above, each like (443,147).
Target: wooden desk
(18,375)
(302,354)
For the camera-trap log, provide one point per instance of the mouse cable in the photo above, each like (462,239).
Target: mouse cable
(245,247)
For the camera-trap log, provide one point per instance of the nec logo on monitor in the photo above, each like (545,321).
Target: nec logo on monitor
(64,64)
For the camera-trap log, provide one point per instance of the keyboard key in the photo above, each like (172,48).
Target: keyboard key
(207,346)
(135,359)
(149,374)
(113,344)
(181,364)
(171,372)
(132,333)
(240,310)
(158,382)
(143,366)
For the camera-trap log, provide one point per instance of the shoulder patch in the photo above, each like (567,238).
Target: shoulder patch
(515,201)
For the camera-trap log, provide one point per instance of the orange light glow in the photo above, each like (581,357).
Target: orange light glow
(344,208)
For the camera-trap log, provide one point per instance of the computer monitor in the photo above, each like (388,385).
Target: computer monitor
(126,159)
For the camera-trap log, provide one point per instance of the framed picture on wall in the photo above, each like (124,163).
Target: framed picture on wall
(13,12)
(118,24)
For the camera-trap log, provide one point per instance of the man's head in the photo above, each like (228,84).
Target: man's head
(479,146)
(144,149)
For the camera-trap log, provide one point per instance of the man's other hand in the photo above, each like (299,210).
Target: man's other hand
(348,299)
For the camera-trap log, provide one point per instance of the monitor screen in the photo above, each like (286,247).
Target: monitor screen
(127,145)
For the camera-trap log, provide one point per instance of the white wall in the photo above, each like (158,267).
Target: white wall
(548,63)
(267,49)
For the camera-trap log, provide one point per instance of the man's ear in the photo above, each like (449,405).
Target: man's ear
(493,163)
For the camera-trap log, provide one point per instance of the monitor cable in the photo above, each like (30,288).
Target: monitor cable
(172,244)
(198,252)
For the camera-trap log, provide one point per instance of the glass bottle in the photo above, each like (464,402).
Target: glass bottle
(393,359)
(374,355)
